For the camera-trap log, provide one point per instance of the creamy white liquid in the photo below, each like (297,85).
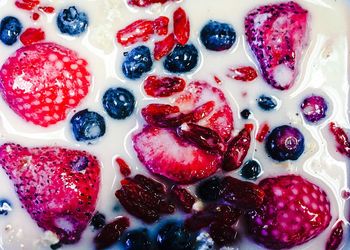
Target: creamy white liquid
(324,70)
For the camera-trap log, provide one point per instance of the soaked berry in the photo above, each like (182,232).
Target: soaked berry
(209,190)
(119,103)
(251,170)
(314,108)
(245,113)
(138,239)
(72,21)
(222,234)
(218,36)
(183,198)
(267,103)
(5,207)
(137,62)
(98,221)
(10,28)
(182,59)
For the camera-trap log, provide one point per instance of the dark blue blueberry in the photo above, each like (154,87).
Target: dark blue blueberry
(88,125)
(209,190)
(251,170)
(137,62)
(5,207)
(314,108)
(245,113)
(174,236)
(267,103)
(98,221)
(10,28)
(182,59)
(138,239)
(72,22)
(56,246)
(218,36)
(119,103)
(285,143)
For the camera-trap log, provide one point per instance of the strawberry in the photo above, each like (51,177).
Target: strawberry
(138,31)
(165,154)
(164,47)
(293,212)
(245,74)
(57,186)
(160,25)
(157,86)
(32,35)
(220,119)
(181,26)
(42,82)
(277,34)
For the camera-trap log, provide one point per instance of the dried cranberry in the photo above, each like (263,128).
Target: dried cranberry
(27,4)
(183,198)
(138,31)
(123,167)
(145,3)
(343,143)
(32,35)
(246,74)
(336,236)
(160,25)
(181,26)
(156,86)
(264,130)
(164,47)
(222,234)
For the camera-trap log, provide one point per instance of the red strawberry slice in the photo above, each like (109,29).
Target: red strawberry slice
(277,34)
(293,212)
(198,93)
(42,82)
(165,154)
(57,186)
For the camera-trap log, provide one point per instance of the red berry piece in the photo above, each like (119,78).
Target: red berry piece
(217,80)
(157,86)
(35,16)
(183,198)
(58,187)
(294,211)
(138,31)
(237,150)
(144,198)
(314,108)
(111,233)
(32,35)
(145,3)
(341,138)
(27,4)
(160,25)
(123,167)
(47,9)
(164,116)
(245,74)
(42,82)
(277,35)
(162,152)
(181,26)
(164,47)
(336,236)
(264,130)
(222,234)
(242,194)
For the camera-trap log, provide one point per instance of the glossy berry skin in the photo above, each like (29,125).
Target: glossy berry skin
(72,21)
(285,143)
(314,108)
(98,221)
(173,236)
(87,125)
(209,190)
(137,62)
(245,113)
(251,170)
(119,103)
(182,59)
(137,239)
(5,207)
(218,36)
(10,28)
(267,103)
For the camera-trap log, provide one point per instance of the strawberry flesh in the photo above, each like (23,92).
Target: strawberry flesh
(277,35)
(156,86)
(58,187)
(181,26)
(164,47)
(138,31)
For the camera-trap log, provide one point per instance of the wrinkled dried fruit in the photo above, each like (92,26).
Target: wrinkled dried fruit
(157,86)
(222,234)
(160,25)
(264,130)
(138,31)
(32,35)
(336,236)
(181,26)
(123,167)
(245,74)
(183,198)
(341,138)
(164,47)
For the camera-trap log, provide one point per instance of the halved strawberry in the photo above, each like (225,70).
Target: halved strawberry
(42,82)
(277,34)
(57,186)
(165,154)
(293,212)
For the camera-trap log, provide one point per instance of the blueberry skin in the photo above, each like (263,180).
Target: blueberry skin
(174,236)
(314,108)
(218,36)
(182,59)
(119,103)
(72,22)
(5,207)
(267,103)
(88,125)
(251,170)
(245,113)
(137,62)
(137,239)
(98,221)
(285,143)
(209,190)
(10,28)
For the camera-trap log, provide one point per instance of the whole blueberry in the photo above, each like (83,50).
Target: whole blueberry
(314,108)
(5,207)
(174,236)
(71,21)
(119,103)
(209,190)
(245,113)
(267,102)
(251,170)
(137,62)
(137,239)
(285,143)
(218,36)
(10,28)
(182,59)
(88,125)
(98,221)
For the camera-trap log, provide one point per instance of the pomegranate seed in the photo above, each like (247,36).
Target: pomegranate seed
(246,74)
(123,167)
(181,26)
(343,143)
(163,86)
(264,130)
(160,25)
(336,236)
(183,198)
(138,31)
(164,47)
(32,35)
